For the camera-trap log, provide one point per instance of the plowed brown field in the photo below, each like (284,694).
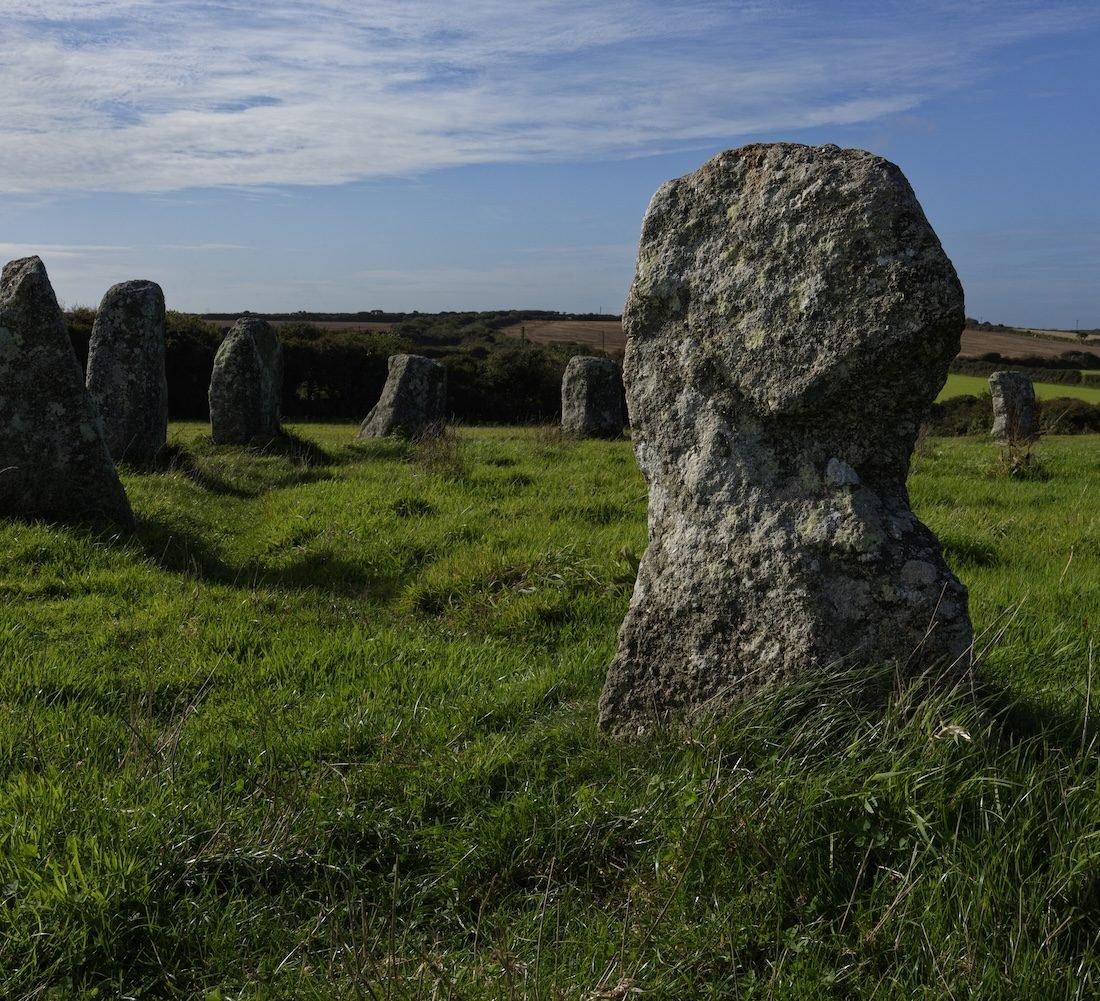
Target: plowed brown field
(608,335)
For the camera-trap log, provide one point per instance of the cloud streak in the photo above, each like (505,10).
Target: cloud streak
(163,95)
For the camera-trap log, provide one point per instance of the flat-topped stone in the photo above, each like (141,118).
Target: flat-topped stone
(54,463)
(126,378)
(1015,411)
(790,322)
(592,398)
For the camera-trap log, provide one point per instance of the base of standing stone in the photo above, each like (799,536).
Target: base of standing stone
(834,575)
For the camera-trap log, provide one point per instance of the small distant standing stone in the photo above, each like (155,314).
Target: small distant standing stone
(1015,414)
(126,371)
(54,463)
(246,384)
(413,401)
(592,398)
(791,320)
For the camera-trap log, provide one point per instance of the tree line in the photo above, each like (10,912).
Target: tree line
(339,374)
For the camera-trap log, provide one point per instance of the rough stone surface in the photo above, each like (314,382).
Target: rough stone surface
(413,401)
(1015,414)
(246,384)
(592,398)
(790,322)
(126,371)
(54,463)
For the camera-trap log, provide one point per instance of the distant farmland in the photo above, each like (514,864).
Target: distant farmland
(603,335)
(608,336)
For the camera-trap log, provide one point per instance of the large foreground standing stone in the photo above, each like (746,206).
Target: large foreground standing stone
(790,322)
(246,384)
(413,401)
(126,371)
(53,461)
(1015,415)
(592,398)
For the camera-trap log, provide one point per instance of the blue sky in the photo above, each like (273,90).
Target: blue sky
(426,155)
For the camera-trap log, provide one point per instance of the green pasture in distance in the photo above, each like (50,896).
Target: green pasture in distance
(975,385)
(324,727)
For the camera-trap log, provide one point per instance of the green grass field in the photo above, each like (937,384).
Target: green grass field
(325,728)
(976,385)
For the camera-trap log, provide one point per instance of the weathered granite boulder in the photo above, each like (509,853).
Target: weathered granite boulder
(790,322)
(1015,413)
(592,398)
(413,401)
(54,463)
(126,371)
(246,384)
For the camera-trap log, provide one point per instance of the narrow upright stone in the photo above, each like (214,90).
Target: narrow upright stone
(413,401)
(1015,413)
(126,371)
(54,463)
(790,322)
(592,398)
(246,384)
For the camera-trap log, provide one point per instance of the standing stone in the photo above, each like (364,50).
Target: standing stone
(413,401)
(126,371)
(246,384)
(790,322)
(1015,414)
(54,463)
(592,398)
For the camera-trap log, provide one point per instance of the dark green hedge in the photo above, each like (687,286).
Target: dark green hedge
(329,374)
(963,415)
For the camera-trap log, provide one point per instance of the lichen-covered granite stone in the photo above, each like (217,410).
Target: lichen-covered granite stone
(413,401)
(592,398)
(126,377)
(246,385)
(1015,414)
(54,463)
(790,322)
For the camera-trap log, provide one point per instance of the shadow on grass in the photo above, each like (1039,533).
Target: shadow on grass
(306,462)
(1020,718)
(179,551)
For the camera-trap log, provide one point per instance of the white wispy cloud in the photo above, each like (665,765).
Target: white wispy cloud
(57,250)
(161,95)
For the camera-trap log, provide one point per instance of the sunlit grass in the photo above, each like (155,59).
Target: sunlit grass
(975,385)
(325,727)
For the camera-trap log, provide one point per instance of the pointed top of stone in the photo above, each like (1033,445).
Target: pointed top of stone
(53,461)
